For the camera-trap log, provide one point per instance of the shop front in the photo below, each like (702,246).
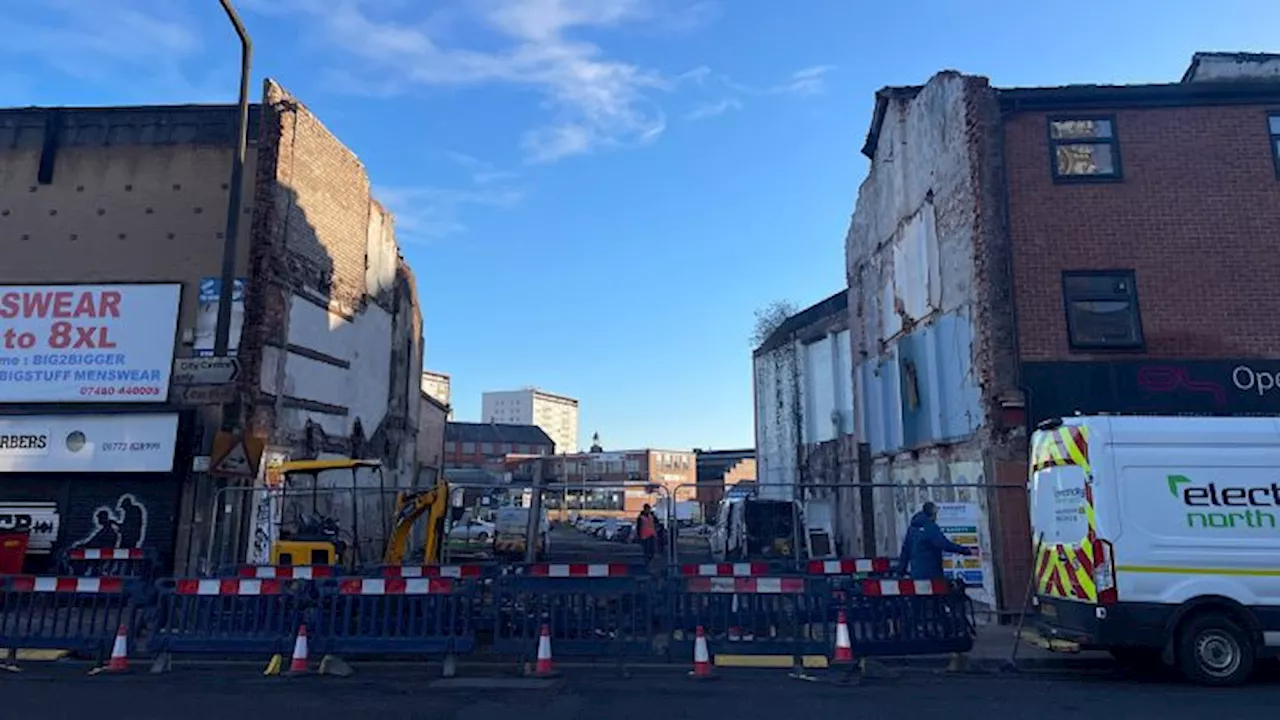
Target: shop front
(88,440)
(89,481)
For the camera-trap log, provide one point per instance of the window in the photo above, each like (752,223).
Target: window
(488,449)
(451,446)
(1273,124)
(468,448)
(1084,149)
(1102,310)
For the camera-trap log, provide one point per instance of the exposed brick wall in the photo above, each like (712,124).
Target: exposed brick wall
(1195,217)
(322,193)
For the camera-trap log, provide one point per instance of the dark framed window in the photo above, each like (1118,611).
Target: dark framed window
(1084,149)
(1102,310)
(1273,125)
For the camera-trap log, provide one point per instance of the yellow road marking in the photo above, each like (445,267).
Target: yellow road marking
(812,662)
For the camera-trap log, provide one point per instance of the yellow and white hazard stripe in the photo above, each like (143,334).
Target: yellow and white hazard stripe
(1066,570)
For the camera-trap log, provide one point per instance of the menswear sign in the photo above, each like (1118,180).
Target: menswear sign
(87,343)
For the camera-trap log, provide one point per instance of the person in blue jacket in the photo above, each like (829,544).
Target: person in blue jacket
(924,545)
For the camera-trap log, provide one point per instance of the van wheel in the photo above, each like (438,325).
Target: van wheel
(1214,650)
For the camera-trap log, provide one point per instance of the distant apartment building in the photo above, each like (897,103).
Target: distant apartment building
(555,414)
(487,445)
(438,386)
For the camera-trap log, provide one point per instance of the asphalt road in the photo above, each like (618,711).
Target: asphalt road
(410,693)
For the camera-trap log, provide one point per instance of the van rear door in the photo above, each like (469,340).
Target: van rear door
(1062,514)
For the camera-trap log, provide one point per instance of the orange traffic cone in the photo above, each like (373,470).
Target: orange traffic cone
(844,647)
(544,668)
(119,661)
(701,658)
(298,665)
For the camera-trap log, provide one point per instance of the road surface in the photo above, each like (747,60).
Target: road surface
(406,692)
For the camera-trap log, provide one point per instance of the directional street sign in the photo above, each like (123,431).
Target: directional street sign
(197,395)
(205,370)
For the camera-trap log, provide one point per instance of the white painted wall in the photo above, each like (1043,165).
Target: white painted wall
(825,379)
(364,388)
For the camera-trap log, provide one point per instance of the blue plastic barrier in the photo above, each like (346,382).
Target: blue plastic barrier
(390,616)
(750,615)
(228,615)
(599,610)
(109,562)
(908,617)
(66,613)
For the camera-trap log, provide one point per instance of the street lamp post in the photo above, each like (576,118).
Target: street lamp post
(219,417)
(222,333)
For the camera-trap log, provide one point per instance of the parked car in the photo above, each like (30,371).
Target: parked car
(472,531)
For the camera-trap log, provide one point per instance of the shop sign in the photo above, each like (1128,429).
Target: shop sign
(87,343)
(38,519)
(125,442)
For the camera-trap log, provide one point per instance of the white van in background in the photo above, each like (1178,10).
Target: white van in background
(1159,539)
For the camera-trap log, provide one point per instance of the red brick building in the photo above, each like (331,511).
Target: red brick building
(488,445)
(1018,254)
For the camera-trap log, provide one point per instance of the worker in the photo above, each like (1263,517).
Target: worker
(924,545)
(647,532)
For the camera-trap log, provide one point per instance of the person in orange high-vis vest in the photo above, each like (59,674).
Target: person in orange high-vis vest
(646,530)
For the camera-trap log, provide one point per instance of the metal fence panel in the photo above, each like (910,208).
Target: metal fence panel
(109,562)
(415,616)
(228,615)
(586,615)
(750,615)
(66,613)
(908,617)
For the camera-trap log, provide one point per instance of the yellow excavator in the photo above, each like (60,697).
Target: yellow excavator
(317,541)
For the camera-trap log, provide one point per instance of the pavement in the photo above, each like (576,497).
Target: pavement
(409,691)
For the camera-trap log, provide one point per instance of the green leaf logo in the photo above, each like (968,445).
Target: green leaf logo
(1175,481)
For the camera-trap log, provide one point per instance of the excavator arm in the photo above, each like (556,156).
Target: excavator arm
(410,506)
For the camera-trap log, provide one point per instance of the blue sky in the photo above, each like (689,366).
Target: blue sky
(596,195)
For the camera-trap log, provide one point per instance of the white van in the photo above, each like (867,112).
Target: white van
(1159,539)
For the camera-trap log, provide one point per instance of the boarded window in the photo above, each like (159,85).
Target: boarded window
(1084,149)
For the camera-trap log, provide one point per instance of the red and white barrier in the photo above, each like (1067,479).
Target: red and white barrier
(579,570)
(396,586)
(884,588)
(849,566)
(746,585)
(286,572)
(457,572)
(752,569)
(39,584)
(105,554)
(229,586)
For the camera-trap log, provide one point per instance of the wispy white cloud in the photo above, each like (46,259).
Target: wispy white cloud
(809,81)
(713,109)
(427,213)
(806,81)
(595,100)
(130,46)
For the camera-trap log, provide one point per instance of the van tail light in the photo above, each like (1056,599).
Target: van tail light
(1104,573)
